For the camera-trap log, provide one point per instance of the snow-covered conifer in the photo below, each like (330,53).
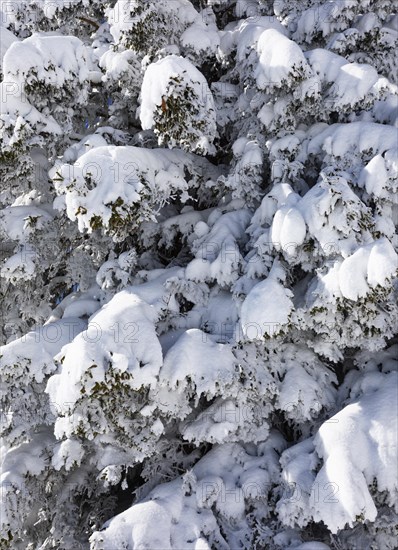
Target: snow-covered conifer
(198,274)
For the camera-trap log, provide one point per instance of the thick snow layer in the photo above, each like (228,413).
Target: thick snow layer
(125,15)
(266,309)
(370,266)
(246,33)
(280,60)
(188,510)
(121,337)
(323,18)
(373,420)
(18,222)
(195,357)
(58,63)
(288,229)
(334,215)
(52,60)
(14,11)
(356,447)
(380,176)
(32,355)
(159,88)
(202,36)
(351,82)
(123,177)
(340,140)
(217,254)
(16,112)
(281,194)
(19,266)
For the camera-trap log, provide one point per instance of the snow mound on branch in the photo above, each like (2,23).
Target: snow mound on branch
(351,83)
(348,469)
(288,229)
(41,71)
(266,309)
(189,510)
(31,356)
(341,140)
(14,12)
(305,383)
(217,253)
(197,361)
(380,176)
(245,35)
(109,186)
(280,60)
(195,366)
(52,60)
(322,18)
(335,216)
(370,266)
(202,37)
(18,222)
(124,17)
(176,101)
(110,344)
(16,112)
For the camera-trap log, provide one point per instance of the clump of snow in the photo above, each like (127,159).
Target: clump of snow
(370,266)
(267,308)
(189,509)
(131,20)
(217,254)
(340,140)
(347,219)
(207,365)
(39,71)
(202,38)
(288,229)
(350,83)
(339,494)
(113,185)
(380,176)
(31,356)
(132,348)
(51,60)
(177,103)
(280,61)
(18,222)
(246,33)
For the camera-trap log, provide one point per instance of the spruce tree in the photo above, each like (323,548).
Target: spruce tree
(198,274)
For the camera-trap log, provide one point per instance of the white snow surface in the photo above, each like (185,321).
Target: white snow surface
(370,266)
(356,447)
(133,175)
(6,39)
(125,14)
(184,509)
(280,60)
(54,59)
(155,89)
(110,342)
(266,309)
